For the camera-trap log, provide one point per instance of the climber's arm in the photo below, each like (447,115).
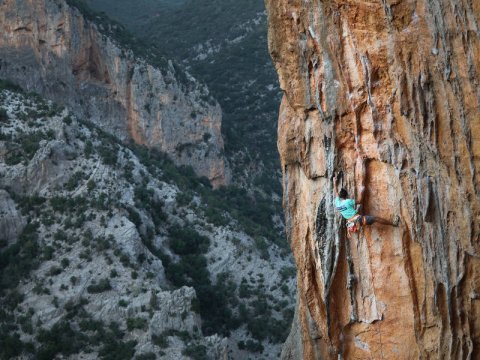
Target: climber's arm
(359,200)
(336,179)
(360,172)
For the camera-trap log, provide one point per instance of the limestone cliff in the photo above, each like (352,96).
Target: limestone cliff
(49,47)
(388,93)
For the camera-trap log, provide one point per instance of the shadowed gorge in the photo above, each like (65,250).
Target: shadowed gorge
(386,92)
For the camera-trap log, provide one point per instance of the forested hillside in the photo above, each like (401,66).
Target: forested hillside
(111,251)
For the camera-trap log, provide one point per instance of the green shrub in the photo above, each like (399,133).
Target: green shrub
(279,329)
(67,120)
(19,259)
(136,323)
(65,262)
(29,143)
(196,352)
(60,339)
(54,270)
(10,345)
(262,246)
(160,340)
(91,185)
(287,272)
(88,150)
(14,157)
(74,180)
(103,285)
(154,301)
(48,252)
(59,203)
(145,199)
(259,327)
(185,241)
(146,356)
(128,171)
(108,154)
(134,217)
(254,346)
(184,198)
(117,350)
(8,85)
(90,325)
(4,118)
(29,204)
(244,289)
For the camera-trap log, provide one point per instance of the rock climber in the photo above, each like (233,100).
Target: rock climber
(349,210)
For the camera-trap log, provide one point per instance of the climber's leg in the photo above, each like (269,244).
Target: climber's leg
(369,220)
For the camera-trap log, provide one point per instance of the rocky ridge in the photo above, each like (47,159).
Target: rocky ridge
(111,251)
(387,94)
(49,47)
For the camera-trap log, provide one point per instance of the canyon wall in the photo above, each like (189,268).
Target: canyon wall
(386,93)
(49,47)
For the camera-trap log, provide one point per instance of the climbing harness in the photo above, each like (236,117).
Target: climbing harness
(353,225)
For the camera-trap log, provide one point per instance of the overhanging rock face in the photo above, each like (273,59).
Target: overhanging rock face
(388,93)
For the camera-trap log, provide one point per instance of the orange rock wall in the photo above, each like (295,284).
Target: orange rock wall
(388,93)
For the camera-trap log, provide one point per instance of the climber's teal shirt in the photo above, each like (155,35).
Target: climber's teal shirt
(346,207)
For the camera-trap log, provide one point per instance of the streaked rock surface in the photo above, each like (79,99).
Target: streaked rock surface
(386,92)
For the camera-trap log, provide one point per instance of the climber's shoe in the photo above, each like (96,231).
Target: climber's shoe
(396,220)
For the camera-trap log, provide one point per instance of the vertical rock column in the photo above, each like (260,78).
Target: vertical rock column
(388,93)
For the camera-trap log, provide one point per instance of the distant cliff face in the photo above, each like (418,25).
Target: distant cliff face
(222,43)
(48,47)
(386,92)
